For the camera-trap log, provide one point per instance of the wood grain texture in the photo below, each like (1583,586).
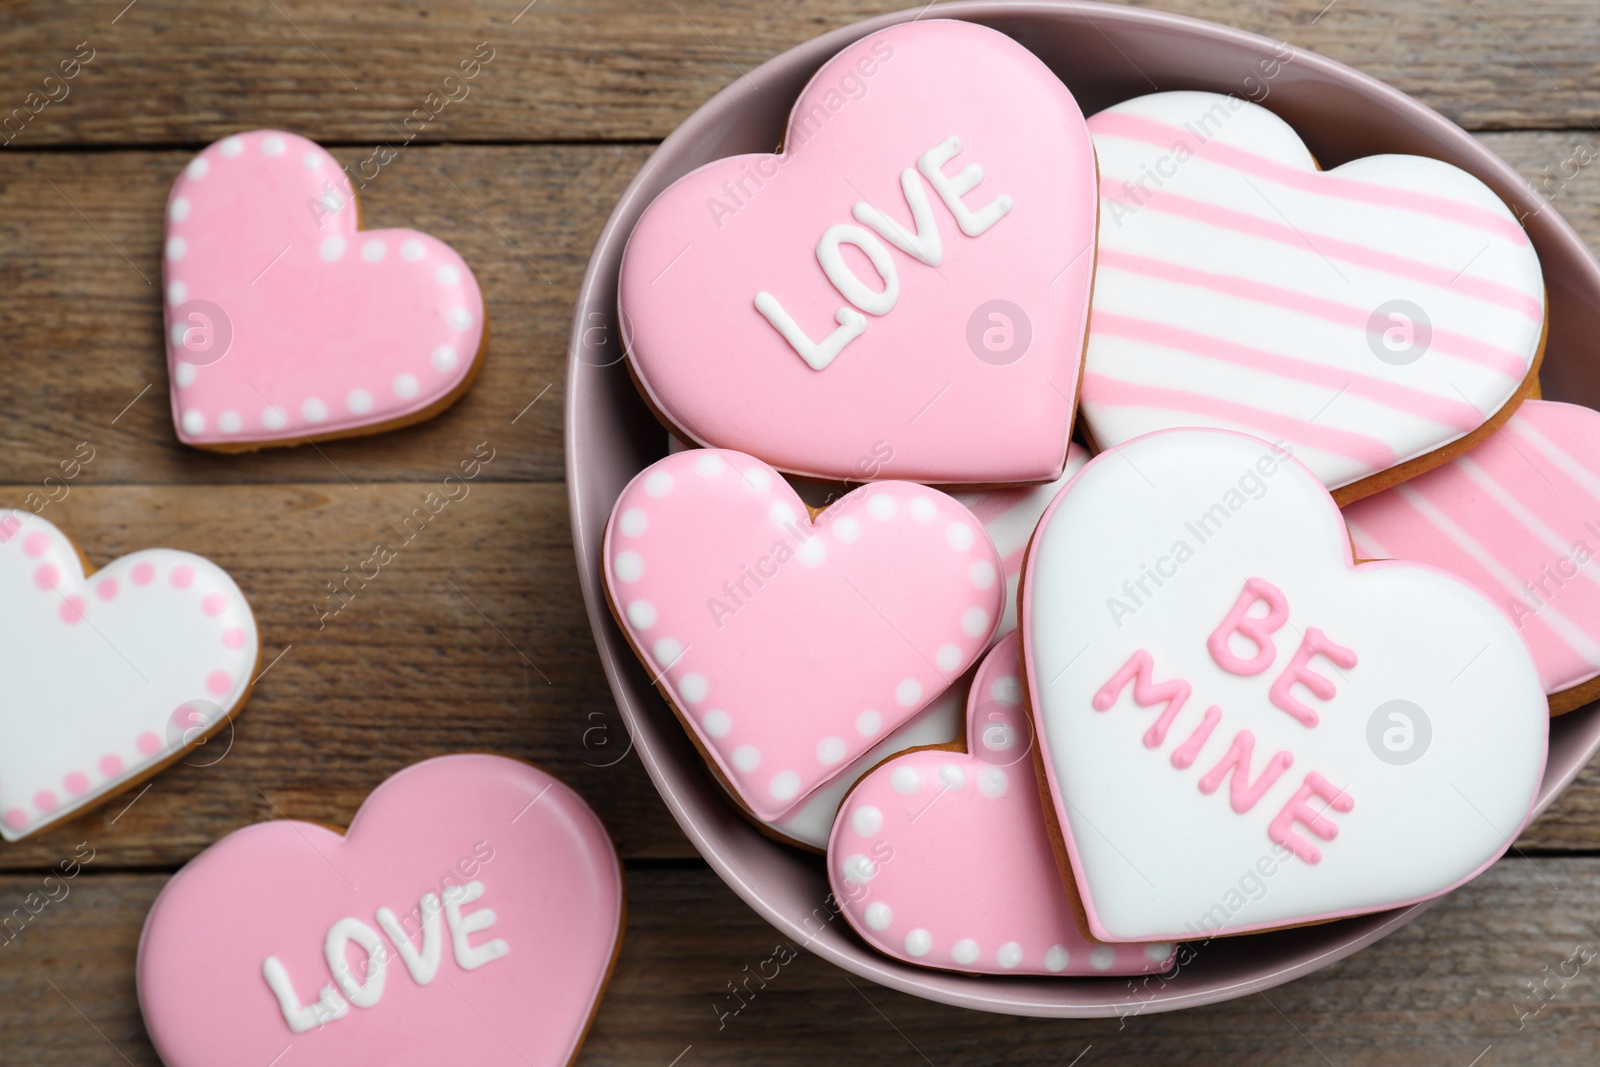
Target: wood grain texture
(80,247)
(633,69)
(1441,991)
(472,638)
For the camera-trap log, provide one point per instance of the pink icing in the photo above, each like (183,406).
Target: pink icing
(1243,793)
(1147,692)
(1258,629)
(1297,810)
(98,676)
(550,895)
(942,859)
(919,371)
(1299,672)
(1519,517)
(749,613)
(332,327)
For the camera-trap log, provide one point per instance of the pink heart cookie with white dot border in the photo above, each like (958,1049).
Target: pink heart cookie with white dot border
(111,675)
(911,271)
(471,914)
(942,858)
(791,645)
(286,322)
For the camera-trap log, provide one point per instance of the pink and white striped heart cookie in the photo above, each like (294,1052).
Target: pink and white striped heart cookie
(790,645)
(1518,517)
(1369,316)
(942,858)
(109,676)
(286,322)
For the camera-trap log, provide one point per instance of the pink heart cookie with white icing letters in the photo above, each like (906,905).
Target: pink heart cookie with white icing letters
(1369,315)
(470,915)
(1519,517)
(943,859)
(1243,729)
(109,676)
(286,321)
(910,272)
(791,646)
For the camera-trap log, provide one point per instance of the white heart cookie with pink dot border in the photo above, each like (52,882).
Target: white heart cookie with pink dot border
(110,675)
(286,321)
(1241,728)
(911,271)
(791,646)
(943,858)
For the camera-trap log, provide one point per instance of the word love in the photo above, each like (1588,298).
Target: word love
(924,243)
(365,990)
(1258,631)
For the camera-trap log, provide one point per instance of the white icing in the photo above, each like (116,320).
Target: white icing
(423,965)
(925,244)
(850,286)
(365,990)
(1157,859)
(470,957)
(301,1017)
(952,188)
(818,355)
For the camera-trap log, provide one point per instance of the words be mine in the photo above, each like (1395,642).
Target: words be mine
(1257,630)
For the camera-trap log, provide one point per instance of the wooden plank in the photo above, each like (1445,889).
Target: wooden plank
(1443,990)
(610,69)
(81,334)
(473,638)
(82,329)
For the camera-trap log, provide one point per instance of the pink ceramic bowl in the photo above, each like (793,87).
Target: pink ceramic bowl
(1104,54)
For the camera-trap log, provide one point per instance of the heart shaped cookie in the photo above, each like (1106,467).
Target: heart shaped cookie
(286,322)
(111,675)
(941,857)
(912,270)
(1242,728)
(470,915)
(1518,517)
(1382,314)
(789,645)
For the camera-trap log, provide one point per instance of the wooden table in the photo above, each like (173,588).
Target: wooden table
(476,638)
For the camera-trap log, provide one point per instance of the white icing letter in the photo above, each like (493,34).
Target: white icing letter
(844,279)
(468,956)
(425,964)
(851,325)
(300,1017)
(363,993)
(952,189)
(925,245)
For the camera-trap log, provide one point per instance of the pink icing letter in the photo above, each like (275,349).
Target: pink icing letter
(1315,643)
(1258,628)
(1146,693)
(1245,795)
(1282,831)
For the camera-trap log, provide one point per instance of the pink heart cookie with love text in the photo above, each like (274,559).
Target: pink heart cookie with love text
(789,645)
(943,859)
(470,915)
(1242,728)
(286,321)
(911,271)
(110,676)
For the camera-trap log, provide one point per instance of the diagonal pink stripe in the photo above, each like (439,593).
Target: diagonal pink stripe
(1324,183)
(1449,342)
(1170,203)
(1101,389)
(1452,413)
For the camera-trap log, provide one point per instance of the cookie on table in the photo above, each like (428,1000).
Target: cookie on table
(113,674)
(1243,729)
(287,322)
(910,271)
(1379,317)
(790,644)
(940,857)
(471,914)
(1518,517)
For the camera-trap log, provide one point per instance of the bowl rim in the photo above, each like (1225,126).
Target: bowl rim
(617,658)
